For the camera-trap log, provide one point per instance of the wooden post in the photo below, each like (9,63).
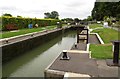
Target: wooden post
(77,35)
(115,61)
(87,36)
(116,52)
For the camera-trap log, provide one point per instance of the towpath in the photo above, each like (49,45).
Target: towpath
(14,39)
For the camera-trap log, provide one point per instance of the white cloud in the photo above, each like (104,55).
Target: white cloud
(37,8)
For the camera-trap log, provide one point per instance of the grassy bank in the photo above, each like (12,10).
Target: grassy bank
(104,51)
(8,34)
(101,51)
(92,26)
(107,34)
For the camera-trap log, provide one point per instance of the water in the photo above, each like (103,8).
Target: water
(34,62)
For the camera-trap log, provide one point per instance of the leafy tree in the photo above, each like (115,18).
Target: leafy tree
(47,15)
(19,16)
(67,19)
(102,9)
(89,18)
(76,20)
(84,19)
(52,15)
(6,14)
(118,16)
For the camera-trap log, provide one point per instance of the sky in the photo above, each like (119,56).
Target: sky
(36,8)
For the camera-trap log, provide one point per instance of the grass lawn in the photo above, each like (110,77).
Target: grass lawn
(25,31)
(0,27)
(107,34)
(101,51)
(104,51)
(92,26)
(64,25)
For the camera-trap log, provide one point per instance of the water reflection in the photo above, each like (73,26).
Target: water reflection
(34,62)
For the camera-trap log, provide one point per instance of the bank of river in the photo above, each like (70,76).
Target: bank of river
(34,62)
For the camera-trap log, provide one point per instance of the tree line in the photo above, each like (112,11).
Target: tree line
(47,15)
(106,9)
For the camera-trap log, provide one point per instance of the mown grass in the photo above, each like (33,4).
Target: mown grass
(107,34)
(8,34)
(104,51)
(0,27)
(92,26)
(101,52)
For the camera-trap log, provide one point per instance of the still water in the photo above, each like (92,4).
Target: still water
(34,62)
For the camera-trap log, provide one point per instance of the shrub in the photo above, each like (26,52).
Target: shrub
(118,17)
(23,22)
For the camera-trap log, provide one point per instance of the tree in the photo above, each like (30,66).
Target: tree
(52,15)
(67,20)
(47,15)
(76,20)
(19,16)
(102,9)
(118,17)
(6,14)
(89,18)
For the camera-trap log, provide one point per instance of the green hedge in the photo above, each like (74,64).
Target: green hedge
(23,22)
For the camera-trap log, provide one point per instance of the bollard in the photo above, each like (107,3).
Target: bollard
(64,55)
(75,45)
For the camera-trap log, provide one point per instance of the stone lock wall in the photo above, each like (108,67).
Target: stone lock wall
(11,51)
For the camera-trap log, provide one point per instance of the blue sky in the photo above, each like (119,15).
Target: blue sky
(36,8)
